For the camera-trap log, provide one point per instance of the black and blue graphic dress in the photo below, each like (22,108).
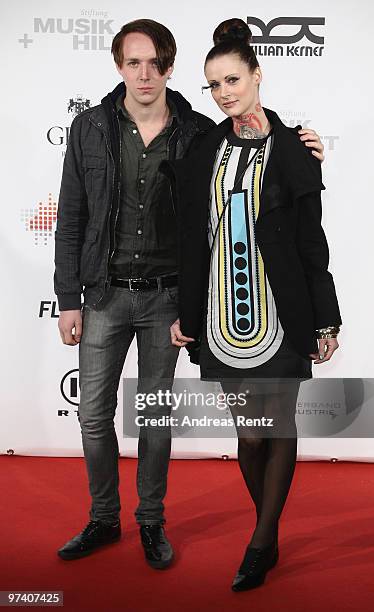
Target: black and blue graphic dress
(242,335)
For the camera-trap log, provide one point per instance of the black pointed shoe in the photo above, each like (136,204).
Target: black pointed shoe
(157,549)
(95,535)
(255,565)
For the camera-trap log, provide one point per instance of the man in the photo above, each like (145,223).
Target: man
(116,241)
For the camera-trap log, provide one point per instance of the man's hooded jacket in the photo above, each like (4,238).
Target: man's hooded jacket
(90,195)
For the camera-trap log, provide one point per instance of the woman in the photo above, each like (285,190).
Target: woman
(256,300)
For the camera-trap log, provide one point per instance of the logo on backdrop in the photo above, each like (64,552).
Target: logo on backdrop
(270,44)
(292,118)
(332,406)
(58,135)
(78,105)
(48,309)
(91,32)
(69,387)
(40,220)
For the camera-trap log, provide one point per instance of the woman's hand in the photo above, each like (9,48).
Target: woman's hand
(312,140)
(327,347)
(177,337)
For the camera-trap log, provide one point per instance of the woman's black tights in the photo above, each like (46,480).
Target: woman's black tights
(267,454)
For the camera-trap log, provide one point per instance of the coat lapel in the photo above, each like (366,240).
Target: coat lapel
(291,170)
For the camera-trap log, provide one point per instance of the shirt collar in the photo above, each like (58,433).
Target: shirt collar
(125,115)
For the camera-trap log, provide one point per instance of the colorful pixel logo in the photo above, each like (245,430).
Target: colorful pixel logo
(40,220)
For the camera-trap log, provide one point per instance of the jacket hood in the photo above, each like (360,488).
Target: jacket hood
(182,105)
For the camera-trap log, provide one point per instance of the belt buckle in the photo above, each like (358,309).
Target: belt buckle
(135,280)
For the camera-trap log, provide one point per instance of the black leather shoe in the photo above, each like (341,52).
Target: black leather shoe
(254,567)
(95,535)
(157,549)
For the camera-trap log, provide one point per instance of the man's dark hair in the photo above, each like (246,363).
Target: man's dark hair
(161,37)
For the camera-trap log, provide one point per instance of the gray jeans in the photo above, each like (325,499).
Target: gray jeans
(107,334)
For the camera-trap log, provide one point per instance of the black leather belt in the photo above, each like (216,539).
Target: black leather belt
(142,284)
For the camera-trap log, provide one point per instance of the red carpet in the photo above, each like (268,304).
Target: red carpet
(326,539)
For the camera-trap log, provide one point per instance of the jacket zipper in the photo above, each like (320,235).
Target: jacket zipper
(168,156)
(202,133)
(119,200)
(109,255)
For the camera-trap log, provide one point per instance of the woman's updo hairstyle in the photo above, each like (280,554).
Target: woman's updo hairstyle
(233,36)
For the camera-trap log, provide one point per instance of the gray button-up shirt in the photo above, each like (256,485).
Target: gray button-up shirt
(143,250)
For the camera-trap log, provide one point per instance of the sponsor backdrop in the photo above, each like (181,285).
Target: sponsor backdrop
(56,63)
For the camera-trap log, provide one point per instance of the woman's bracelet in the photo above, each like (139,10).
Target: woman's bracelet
(328,332)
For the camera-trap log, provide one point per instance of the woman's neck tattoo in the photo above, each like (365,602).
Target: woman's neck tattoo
(250,126)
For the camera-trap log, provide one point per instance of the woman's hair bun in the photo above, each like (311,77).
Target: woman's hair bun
(233,36)
(232,30)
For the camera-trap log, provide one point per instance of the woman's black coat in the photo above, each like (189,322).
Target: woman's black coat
(288,233)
